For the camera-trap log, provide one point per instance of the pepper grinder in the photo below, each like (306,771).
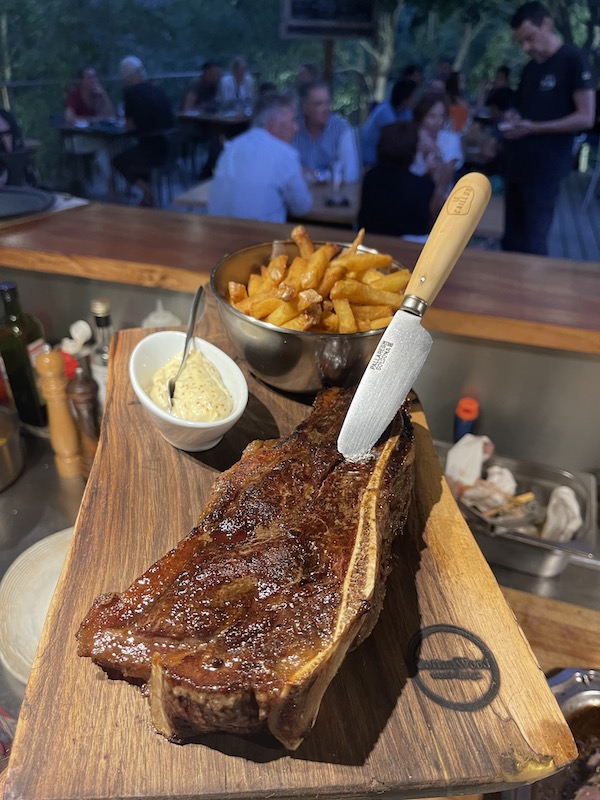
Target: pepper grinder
(63,431)
(82,392)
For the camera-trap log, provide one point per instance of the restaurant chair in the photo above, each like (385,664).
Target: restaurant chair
(165,177)
(16,166)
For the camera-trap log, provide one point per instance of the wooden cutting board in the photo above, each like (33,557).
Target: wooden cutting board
(445,697)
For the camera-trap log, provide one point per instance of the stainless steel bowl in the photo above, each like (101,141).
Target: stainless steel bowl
(294,361)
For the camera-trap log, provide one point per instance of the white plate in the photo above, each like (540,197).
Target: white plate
(25,594)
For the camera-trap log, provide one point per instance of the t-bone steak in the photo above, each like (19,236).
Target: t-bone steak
(243,625)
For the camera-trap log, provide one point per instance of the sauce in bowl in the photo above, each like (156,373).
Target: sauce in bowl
(200,394)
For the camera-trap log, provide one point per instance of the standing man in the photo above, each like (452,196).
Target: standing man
(554,101)
(148,113)
(324,137)
(258,174)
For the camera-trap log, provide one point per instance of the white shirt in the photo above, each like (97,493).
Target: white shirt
(336,143)
(258,177)
(229,92)
(450,147)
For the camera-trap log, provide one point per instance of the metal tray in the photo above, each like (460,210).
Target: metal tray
(577,692)
(522,552)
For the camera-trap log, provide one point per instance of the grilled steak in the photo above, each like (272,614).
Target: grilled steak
(245,622)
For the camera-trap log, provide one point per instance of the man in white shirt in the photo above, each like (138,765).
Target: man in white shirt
(258,175)
(323,137)
(236,89)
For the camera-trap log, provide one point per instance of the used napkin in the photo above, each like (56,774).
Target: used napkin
(563,515)
(465,460)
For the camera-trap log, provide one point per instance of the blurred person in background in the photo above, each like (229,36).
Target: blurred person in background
(458,107)
(148,113)
(397,109)
(439,153)
(202,94)
(236,88)
(258,174)
(323,137)
(395,202)
(88,102)
(554,101)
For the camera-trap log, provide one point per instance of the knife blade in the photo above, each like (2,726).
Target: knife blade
(405,344)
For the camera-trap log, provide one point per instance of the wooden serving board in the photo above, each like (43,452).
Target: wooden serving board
(445,697)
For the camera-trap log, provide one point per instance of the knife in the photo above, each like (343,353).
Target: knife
(405,344)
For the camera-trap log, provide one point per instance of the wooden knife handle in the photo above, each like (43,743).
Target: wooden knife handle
(451,231)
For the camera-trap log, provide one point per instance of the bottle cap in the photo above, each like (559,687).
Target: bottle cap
(100,307)
(467,408)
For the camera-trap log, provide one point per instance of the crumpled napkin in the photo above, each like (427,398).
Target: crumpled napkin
(483,496)
(563,515)
(464,461)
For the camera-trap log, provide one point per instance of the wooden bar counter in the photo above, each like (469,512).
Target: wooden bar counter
(502,297)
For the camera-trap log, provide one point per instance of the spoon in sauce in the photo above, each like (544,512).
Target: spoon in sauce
(196,310)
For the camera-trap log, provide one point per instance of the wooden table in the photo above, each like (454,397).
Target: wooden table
(503,297)
(206,125)
(384,725)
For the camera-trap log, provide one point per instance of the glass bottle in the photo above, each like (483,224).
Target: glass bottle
(30,327)
(17,371)
(100,352)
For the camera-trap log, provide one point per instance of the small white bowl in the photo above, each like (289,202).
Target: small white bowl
(153,352)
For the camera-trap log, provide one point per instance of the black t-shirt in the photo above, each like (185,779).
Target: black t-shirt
(395,202)
(148,107)
(546,92)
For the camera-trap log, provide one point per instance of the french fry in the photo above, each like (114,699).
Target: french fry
(330,276)
(346,321)
(358,240)
(293,279)
(259,309)
(237,292)
(381,322)
(361,262)
(370,276)
(277,269)
(317,264)
(303,241)
(394,282)
(358,292)
(255,284)
(305,320)
(288,310)
(368,313)
(329,322)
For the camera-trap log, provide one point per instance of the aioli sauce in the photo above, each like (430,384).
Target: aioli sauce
(200,394)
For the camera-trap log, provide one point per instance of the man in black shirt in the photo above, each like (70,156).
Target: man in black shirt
(149,114)
(554,100)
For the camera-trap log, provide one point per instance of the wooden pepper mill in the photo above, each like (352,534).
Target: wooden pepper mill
(82,392)
(63,431)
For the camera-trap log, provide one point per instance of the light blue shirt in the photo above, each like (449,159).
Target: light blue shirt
(258,177)
(382,115)
(336,143)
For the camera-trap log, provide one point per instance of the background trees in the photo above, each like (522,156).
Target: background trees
(44,42)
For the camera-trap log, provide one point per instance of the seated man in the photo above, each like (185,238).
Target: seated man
(258,174)
(396,109)
(236,89)
(324,137)
(148,113)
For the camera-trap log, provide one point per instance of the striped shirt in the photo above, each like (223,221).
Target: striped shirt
(336,143)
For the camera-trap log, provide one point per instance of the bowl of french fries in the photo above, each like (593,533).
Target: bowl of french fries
(304,314)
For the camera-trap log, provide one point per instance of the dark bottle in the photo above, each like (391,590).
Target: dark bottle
(15,364)
(30,327)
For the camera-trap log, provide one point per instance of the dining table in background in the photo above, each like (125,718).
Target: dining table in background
(113,134)
(205,125)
